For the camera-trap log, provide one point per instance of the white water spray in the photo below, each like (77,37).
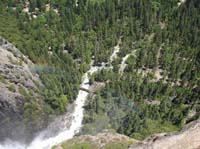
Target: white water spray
(43,142)
(40,142)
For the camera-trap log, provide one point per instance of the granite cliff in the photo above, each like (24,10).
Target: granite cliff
(19,86)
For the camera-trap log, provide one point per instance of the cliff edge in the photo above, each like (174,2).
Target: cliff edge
(19,94)
(187,138)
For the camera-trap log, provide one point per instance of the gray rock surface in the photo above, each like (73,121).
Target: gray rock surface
(16,76)
(187,138)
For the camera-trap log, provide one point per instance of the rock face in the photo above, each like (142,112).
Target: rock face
(187,138)
(102,140)
(16,80)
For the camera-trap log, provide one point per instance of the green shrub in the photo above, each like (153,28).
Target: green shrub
(2,79)
(12,88)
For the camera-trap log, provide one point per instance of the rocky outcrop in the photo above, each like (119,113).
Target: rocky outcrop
(17,81)
(187,138)
(106,139)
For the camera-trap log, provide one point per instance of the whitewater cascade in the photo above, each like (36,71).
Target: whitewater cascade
(43,142)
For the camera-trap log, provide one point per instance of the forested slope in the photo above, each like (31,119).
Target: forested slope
(159,87)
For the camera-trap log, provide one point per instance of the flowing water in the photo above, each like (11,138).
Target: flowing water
(41,141)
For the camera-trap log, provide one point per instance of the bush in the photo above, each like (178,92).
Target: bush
(12,88)
(3,80)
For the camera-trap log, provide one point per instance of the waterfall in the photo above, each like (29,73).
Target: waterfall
(41,141)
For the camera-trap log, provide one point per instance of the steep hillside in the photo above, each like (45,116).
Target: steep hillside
(19,94)
(188,138)
(154,83)
(158,90)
